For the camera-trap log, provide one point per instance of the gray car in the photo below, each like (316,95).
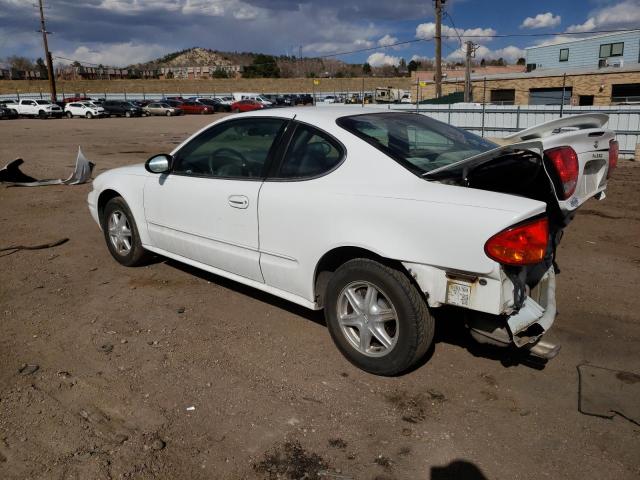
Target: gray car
(161,108)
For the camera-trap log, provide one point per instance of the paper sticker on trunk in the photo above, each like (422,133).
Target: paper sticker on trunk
(458,294)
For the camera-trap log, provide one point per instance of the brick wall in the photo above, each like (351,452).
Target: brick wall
(596,84)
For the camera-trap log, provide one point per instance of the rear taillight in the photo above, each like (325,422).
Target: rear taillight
(613,156)
(522,244)
(565,161)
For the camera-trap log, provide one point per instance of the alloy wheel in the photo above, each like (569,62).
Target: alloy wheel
(120,232)
(367,319)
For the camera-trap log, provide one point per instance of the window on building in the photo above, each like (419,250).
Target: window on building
(564,54)
(503,96)
(611,49)
(625,93)
(549,96)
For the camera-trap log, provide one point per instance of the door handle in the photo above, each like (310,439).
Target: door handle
(238,201)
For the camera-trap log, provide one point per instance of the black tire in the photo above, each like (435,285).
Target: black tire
(414,328)
(42,115)
(127,114)
(89,115)
(236,110)
(137,255)
(69,115)
(168,113)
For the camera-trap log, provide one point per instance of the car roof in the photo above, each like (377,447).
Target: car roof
(323,117)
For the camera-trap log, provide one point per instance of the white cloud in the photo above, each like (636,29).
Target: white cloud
(380,59)
(387,40)
(625,14)
(333,47)
(542,20)
(587,26)
(427,31)
(114,54)
(420,58)
(510,54)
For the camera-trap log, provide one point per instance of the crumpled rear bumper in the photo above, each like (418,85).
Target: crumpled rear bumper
(525,328)
(537,314)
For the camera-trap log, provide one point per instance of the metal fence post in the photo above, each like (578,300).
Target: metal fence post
(484,104)
(518,117)
(449,115)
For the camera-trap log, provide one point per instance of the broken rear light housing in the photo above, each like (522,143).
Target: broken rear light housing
(614,151)
(565,162)
(522,244)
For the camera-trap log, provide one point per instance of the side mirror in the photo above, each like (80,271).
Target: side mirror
(159,163)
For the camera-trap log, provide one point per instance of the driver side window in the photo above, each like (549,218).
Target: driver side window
(235,149)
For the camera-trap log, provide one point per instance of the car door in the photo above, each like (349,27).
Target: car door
(206,208)
(299,196)
(28,107)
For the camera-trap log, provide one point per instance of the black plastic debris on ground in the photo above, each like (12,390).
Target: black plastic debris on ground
(604,392)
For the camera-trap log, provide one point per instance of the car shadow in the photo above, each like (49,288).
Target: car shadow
(449,322)
(458,470)
(451,328)
(315,316)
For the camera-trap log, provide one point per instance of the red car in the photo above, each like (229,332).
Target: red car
(246,106)
(189,107)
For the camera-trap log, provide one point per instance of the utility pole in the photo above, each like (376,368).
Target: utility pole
(471,48)
(438,38)
(47,53)
(564,84)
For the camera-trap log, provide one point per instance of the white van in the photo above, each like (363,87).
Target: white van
(237,96)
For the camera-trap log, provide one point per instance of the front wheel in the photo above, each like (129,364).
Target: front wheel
(121,234)
(89,115)
(127,114)
(168,113)
(377,318)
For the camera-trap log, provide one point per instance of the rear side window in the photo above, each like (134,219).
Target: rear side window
(416,141)
(310,153)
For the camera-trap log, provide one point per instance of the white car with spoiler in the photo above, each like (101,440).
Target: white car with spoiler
(377,217)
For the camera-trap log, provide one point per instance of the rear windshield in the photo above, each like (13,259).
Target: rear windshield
(418,142)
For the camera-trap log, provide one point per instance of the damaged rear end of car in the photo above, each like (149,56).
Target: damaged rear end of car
(562,163)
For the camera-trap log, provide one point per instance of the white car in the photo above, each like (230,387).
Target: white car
(36,108)
(377,217)
(83,109)
(226,100)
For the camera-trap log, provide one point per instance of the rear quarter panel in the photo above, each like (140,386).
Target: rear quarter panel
(372,202)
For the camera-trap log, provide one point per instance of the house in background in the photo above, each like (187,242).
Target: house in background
(600,51)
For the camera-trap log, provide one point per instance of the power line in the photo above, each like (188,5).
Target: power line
(459,37)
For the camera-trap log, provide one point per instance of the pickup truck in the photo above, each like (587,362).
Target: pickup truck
(36,108)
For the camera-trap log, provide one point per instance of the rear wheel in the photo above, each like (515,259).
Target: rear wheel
(377,318)
(42,114)
(69,115)
(121,234)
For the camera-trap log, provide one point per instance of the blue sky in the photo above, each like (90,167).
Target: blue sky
(121,32)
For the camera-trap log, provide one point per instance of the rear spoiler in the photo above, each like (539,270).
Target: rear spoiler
(580,122)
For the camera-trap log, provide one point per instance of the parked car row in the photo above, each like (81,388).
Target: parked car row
(79,106)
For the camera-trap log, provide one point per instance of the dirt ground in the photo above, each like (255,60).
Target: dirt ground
(167,372)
